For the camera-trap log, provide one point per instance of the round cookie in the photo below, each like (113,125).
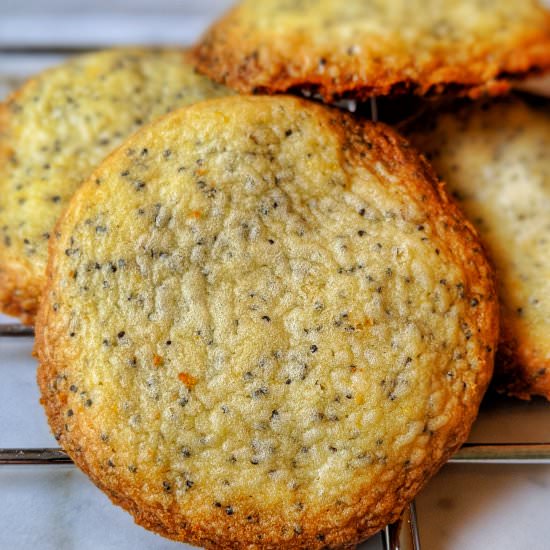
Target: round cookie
(56,129)
(359,49)
(265,326)
(494,157)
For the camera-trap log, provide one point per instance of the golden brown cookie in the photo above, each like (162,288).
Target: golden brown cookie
(265,326)
(494,157)
(56,129)
(359,48)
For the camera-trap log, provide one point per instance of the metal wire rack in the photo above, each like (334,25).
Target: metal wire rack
(402,535)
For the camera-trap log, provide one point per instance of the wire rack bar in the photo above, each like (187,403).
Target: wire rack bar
(39,49)
(470,453)
(33,457)
(404,534)
(503,453)
(14,330)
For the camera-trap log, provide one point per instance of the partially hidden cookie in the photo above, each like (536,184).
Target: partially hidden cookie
(265,326)
(359,49)
(56,129)
(495,159)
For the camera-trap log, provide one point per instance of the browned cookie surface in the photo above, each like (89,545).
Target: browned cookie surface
(56,129)
(265,326)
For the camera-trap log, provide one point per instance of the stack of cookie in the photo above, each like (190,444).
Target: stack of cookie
(265,322)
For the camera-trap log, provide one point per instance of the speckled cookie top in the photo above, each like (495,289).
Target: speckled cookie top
(360,48)
(264,318)
(437,21)
(495,158)
(59,126)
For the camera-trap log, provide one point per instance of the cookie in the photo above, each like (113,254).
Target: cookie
(56,129)
(359,49)
(494,157)
(265,326)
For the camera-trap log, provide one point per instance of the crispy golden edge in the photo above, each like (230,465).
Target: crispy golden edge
(225,55)
(370,512)
(520,371)
(20,287)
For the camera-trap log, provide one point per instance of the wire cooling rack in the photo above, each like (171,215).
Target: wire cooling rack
(404,534)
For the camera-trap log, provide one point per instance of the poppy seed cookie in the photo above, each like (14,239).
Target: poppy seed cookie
(282,330)
(494,157)
(359,48)
(56,129)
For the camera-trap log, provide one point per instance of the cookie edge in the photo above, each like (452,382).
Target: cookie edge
(223,55)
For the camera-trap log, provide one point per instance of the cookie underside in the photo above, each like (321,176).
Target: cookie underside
(359,49)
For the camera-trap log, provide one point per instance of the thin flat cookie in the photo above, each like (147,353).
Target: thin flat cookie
(495,159)
(56,129)
(364,48)
(283,328)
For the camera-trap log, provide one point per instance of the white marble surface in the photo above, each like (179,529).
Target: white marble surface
(56,508)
